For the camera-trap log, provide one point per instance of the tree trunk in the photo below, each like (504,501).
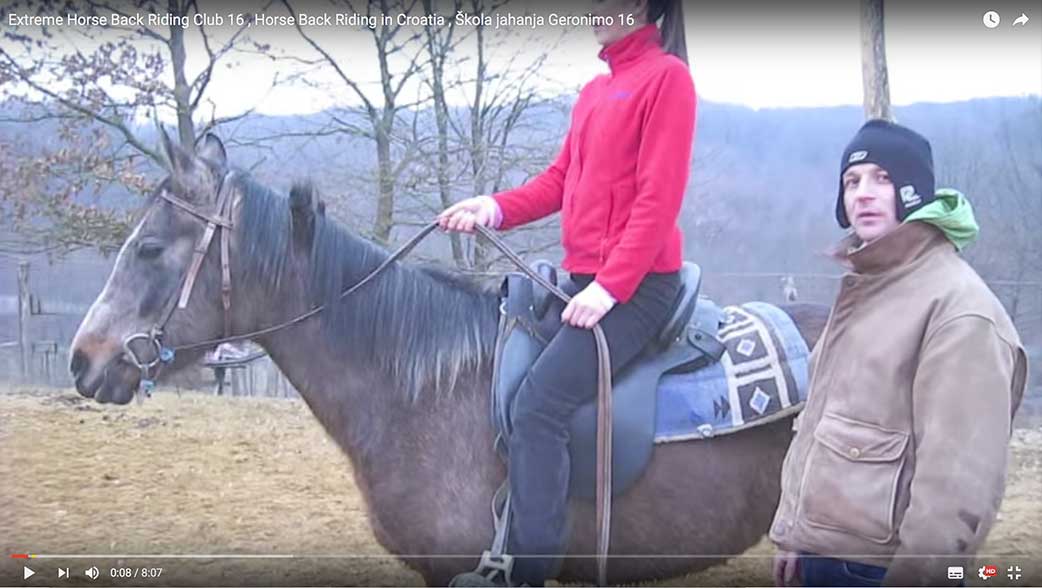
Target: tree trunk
(874,77)
(182,98)
(478,147)
(438,53)
(385,182)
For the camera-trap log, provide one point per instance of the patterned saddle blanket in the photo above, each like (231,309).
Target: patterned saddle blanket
(761,377)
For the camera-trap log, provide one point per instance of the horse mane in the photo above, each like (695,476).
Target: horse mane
(423,327)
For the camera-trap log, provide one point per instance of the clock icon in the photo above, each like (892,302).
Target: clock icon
(991,19)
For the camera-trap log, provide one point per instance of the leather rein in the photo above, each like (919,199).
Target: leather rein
(221,221)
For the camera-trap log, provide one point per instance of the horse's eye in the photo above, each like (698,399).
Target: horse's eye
(149,250)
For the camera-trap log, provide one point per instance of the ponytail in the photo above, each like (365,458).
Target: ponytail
(672,30)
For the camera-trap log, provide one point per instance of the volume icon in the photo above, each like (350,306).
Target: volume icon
(92,573)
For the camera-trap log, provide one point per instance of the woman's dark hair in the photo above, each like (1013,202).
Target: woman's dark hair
(672,14)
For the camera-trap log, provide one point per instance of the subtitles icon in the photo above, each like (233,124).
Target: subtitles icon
(955,573)
(986,572)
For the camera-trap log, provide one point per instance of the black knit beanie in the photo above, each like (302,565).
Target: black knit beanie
(904,154)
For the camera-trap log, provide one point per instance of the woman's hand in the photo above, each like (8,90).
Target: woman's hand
(586,308)
(786,566)
(466,214)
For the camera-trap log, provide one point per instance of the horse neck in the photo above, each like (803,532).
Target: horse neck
(353,398)
(401,452)
(345,397)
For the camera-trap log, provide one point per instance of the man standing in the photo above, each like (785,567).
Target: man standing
(899,461)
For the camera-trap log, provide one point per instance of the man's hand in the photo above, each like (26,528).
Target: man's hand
(786,567)
(466,214)
(588,307)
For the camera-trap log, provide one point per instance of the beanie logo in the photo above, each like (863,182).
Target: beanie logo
(909,197)
(857,156)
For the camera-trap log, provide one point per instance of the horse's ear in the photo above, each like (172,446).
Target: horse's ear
(180,160)
(213,149)
(302,214)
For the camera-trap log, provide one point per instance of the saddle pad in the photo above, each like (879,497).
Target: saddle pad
(761,377)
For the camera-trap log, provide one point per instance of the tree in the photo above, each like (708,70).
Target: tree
(39,194)
(478,141)
(440,44)
(100,82)
(398,56)
(874,76)
(997,163)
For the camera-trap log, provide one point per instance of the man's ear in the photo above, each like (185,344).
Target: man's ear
(302,213)
(181,163)
(212,148)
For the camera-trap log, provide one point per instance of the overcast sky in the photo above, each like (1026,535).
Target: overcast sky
(760,54)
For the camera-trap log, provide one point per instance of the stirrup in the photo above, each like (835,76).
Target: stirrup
(493,570)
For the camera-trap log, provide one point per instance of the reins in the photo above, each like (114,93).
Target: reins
(221,221)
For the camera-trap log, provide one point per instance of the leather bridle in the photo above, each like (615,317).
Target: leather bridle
(221,221)
(218,221)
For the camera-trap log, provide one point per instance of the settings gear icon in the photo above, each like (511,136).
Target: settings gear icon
(986,572)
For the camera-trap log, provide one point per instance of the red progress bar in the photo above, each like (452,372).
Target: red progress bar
(20,555)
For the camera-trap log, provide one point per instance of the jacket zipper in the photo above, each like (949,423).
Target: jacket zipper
(607,224)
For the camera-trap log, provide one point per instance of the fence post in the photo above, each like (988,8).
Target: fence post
(23,319)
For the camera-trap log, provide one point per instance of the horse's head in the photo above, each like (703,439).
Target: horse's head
(147,281)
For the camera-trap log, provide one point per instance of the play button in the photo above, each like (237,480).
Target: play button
(26,572)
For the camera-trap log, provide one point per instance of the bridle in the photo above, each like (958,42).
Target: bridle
(221,221)
(218,221)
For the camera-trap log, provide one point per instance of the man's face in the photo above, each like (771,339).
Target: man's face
(869,198)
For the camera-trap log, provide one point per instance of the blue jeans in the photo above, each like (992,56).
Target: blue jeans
(562,379)
(816,570)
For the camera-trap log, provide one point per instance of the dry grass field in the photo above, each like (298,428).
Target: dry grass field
(202,474)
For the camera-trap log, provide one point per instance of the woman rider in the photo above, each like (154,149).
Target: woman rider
(618,182)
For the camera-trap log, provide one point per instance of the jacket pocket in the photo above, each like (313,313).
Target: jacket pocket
(851,476)
(619,194)
(622,196)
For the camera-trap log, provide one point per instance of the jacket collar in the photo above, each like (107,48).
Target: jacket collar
(905,244)
(629,49)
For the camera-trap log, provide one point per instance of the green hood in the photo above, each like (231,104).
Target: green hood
(952,213)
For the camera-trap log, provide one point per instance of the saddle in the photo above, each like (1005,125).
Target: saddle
(529,318)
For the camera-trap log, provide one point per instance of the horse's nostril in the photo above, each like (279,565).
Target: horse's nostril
(79,363)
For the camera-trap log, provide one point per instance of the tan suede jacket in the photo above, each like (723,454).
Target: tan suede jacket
(900,453)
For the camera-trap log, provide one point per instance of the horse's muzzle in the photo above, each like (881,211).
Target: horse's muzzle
(116,382)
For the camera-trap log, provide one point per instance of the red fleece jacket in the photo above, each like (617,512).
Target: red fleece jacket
(620,176)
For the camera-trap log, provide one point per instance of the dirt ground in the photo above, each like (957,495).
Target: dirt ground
(197,474)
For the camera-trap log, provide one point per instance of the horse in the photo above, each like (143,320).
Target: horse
(398,375)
